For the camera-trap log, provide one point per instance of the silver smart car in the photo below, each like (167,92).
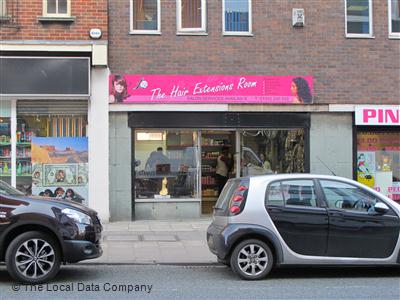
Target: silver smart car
(300,219)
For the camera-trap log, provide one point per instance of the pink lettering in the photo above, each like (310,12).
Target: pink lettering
(390,114)
(368,114)
(380,115)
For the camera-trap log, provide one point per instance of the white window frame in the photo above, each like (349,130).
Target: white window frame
(181,30)
(239,33)
(136,31)
(57,15)
(392,35)
(3,9)
(359,35)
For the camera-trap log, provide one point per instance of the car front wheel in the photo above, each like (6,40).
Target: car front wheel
(33,257)
(252,259)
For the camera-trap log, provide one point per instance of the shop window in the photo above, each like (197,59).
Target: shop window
(60,163)
(166,168)
(145,16)
(378,161)
(5,148)
(394,18)
(56,8)
(236,17)
(358,18)
(272,151)
(191,16)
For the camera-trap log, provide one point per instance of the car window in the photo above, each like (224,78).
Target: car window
(299,192)
(274,194)
(346,196)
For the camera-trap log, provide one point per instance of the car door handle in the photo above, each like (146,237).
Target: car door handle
(275,209)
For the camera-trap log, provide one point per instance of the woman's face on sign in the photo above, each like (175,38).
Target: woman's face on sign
(293,88)
(118,87)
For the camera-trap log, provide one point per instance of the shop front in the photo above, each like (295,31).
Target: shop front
(46,114)
(183,142)
(377,130)
(182,160)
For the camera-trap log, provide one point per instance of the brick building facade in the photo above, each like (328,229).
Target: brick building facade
(54,86)
(351,64)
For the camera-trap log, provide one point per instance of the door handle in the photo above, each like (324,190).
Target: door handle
(275,209)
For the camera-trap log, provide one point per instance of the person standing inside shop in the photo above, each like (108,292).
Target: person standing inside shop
(222,169)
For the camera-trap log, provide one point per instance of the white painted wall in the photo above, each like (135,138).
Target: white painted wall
(99,143)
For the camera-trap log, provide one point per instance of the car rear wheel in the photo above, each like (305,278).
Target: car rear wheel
(252,259)
(33,257)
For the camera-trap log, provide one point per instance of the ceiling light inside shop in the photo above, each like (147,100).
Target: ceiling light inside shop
(149,136)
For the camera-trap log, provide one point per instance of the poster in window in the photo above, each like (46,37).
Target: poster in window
(366,168)
(60,168)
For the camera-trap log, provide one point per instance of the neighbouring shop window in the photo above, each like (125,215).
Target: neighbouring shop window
(378,161)
(191,15)
(272,151)
(145,16)
(394,18)
(56,8)
(237,16)
(5,148)
(166,164)
(358,18)
(52,156)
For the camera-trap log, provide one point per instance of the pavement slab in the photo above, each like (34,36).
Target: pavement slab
(144,242)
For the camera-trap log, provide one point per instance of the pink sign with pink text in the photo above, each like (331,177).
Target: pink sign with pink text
(210,89)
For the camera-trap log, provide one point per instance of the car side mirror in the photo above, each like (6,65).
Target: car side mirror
(381,208)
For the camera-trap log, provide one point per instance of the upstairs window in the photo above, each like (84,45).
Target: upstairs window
(56,8)
(394,18)
(191,16)
(3,9)
(236,17)
(145,16)
(358,18)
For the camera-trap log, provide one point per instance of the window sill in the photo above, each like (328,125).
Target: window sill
(394,37)
(360,36)
(150,32)
(201,33)
(56,19)
(5,19)
(237,34)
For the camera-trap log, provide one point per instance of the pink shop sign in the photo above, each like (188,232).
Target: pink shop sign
(210,89)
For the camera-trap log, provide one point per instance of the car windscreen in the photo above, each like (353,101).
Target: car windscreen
(6,189)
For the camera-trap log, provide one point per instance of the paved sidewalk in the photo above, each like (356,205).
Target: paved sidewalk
(152,242)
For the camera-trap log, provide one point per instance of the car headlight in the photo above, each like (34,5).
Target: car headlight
(77,216)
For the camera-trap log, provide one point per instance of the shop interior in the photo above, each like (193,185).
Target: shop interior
(179,164)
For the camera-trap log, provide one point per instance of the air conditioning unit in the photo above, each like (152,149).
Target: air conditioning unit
(298,17)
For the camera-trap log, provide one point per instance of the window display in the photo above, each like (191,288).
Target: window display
(378,161)
(5,150)
(272,151)
(31,126)
(166,164)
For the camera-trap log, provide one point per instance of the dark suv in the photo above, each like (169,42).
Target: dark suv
(300,219)
(37,234)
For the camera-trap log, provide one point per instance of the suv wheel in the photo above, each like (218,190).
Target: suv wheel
(33,257)
(252,259)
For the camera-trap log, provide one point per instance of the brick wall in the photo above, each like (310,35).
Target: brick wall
(345,70)
(25,25)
